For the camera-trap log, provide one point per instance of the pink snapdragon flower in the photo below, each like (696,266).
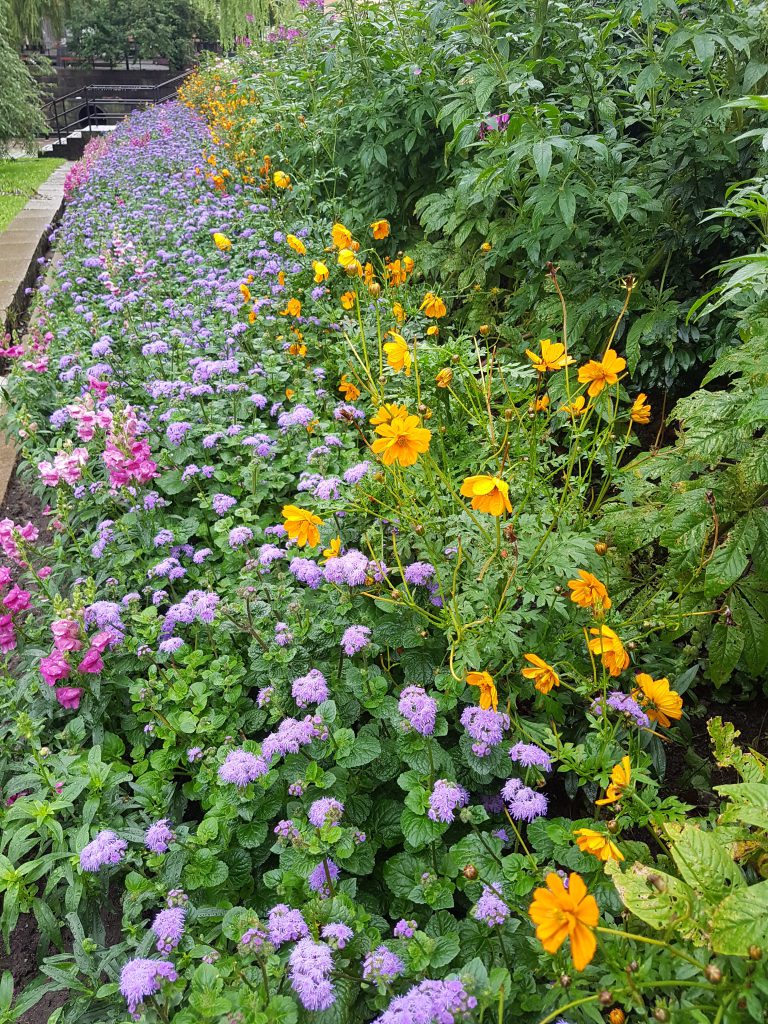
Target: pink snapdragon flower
(92,662)
(69,696)
(66,635)
(17,600)
(54,667)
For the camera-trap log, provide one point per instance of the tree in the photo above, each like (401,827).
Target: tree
(21,115)
(25,19)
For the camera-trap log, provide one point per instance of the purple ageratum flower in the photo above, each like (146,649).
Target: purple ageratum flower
(222,503)
(419,709)
(351,568)
(445,799)
(286,830)
(141,978)
(306,571)
(356,473)
(405,929)
(242,767)
(163,537)
(325,811)
(419,574)
(254,938)
(296,789)
(486,727)
(625,705)
(106,848)
(264,696)
(531,756)
(291,735)
(382,966)
(490,908)
(523,803)
(322,877)
(285,925)
(159,836)
(240,535)
(168,927)
(299,416)
(310,689)
(194,754)
(309,967)
(336,934)
(355,639)
(430,1002)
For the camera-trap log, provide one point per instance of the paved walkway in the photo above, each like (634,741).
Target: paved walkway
(21,244)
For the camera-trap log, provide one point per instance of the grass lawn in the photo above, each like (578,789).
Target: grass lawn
(18,181)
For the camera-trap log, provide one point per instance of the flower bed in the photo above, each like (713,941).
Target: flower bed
(326,668)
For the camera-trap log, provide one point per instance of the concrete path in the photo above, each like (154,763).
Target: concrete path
(21,244)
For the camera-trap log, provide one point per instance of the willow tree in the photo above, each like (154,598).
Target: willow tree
(21,116)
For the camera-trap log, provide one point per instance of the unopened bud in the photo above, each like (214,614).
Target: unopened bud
(755,953)
(470,872)
(374,289)
(396,595)
(484,329)
(713,973)
(605,998)
(455,359)
(632,967)
(616,1016)
(508,414)
(601,547)
(661,1015)
(418,528)
(565,980)
(613,826)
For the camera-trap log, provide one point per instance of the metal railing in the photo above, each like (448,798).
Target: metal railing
(97,105)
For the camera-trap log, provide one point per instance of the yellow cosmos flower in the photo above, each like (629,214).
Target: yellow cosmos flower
(433,306)
(576,408)
(601,846)
(348,389)
(552,357)
(348,300)
(432,331)
(598,374)
(302,526)
(342,238)
(589,592)
(610,648)
(399,313)
(289,393)
(320,271)
(350,262)
(292,308)
(444,378)
(621,776)
(395,273)
(297,348)
(398,353)
(540,405)
(561,914)
(488,493)
(641,410)
(380,229)
(281,179)
(401,440)
(245,291)
(296,244)
(333,550)
(388,412)
(543,675)
(221,242)
(489,697)
(659,701)
(408,264)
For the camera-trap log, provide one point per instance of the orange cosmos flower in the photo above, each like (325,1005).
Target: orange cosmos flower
(296,244)
(399,313)
(401,440)
(245,291)
(386,413)
(589,592)
(333,550)
(433,306)
(610,648)
(221,242)
(590,841)
(433,331)
(395,273)
(543,675)
(380,229)
(281,277)
(660,702)
(289,393)
(641,410)
(297,348)
(553,356)
(598,374)
(321,271)
(342,238)
(398,353)
(292,308)
(302,526)
(540,405)
(348,300)
(576,408)
(408,264)
(621,776)
(489,697)
(444,378)
(281,179)
(488,493)
(348,389)
(561,914)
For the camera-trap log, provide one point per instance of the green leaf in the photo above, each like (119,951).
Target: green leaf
(660,900)
(704,46)
(741,921)
(748,803)
(446,949)
(541,152)
(205,871)
(704,862)
(726,565)
(419,830)
(725,646)
(566,200)
(365,748)
(618,202)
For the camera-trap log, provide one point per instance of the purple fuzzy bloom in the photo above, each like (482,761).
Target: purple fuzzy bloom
(419,709)
(336,934)
(486,727)
(240,535)
(625,705)
(254,938)
(523,803)
(168,927)
(291,735)
(296,789)
(382,966)
(285,925)
(325,811)
(299,416)
(419,574)
(405,929)
(356,473)
(355,639)
(445,799)
(222,503)
(265,695)
(306,571)
(310,689)
(351,568)
(159,836)
(171,645)
(286,829)
(194,754)
(430,1002)
(531,756)
(142,978)
(106,848)
(490,908)
(322,877)
(163,537)
(242,767)
(309,967)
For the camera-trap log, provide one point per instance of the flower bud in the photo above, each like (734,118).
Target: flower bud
(605,998)
(755,953)
(565,980)
(374,289)
(713,973)
(616,1016)
(396,595)
(418,528)
(601,547)
(509,533)
(509,414)
(503,553)
(422,408)
(632,967)
(613,826)
(470,872)
(484,329)
(661,1015)
(455,359)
